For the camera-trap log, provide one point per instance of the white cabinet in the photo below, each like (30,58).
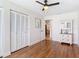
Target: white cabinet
(66,31)
(19,30)
(66,38)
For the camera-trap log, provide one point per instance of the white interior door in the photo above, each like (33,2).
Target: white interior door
(26,30)
(18,31)
(13,31)
(22,31)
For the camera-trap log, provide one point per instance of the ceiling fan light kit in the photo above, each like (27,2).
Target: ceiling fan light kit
(46,5)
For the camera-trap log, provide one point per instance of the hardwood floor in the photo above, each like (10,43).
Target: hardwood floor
(47,49)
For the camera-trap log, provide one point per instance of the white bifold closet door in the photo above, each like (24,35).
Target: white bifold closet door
(19,27)
(1,32)
(13,31)
(18,31)
(24,30)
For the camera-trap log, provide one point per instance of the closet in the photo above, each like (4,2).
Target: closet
(19,30)
(1,11)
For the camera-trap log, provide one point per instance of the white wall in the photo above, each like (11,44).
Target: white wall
(1,3)
(34,32)
(78,28)
(42,29)
(5,28)
(55,23)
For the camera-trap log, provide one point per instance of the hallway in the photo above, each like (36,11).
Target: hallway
(45,49)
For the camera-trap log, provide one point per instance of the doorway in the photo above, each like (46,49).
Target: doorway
(47,30)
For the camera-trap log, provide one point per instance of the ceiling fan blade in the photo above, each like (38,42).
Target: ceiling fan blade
(39,2)
(53,4)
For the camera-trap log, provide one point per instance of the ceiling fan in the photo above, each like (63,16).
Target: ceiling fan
(46,5)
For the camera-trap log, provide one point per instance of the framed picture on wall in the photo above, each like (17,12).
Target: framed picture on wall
(37,23)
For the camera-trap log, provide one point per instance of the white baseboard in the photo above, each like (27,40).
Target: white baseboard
(32,43)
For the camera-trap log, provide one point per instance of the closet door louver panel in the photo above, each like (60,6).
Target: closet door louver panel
(22,31)
(18,31)
(26,30)
(13,31)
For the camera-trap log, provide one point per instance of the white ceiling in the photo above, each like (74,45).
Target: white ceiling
(65,6)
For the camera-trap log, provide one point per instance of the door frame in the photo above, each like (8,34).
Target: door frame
(2,27)
(50,30)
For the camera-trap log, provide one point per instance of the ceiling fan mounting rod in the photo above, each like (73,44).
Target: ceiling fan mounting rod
(46,1)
